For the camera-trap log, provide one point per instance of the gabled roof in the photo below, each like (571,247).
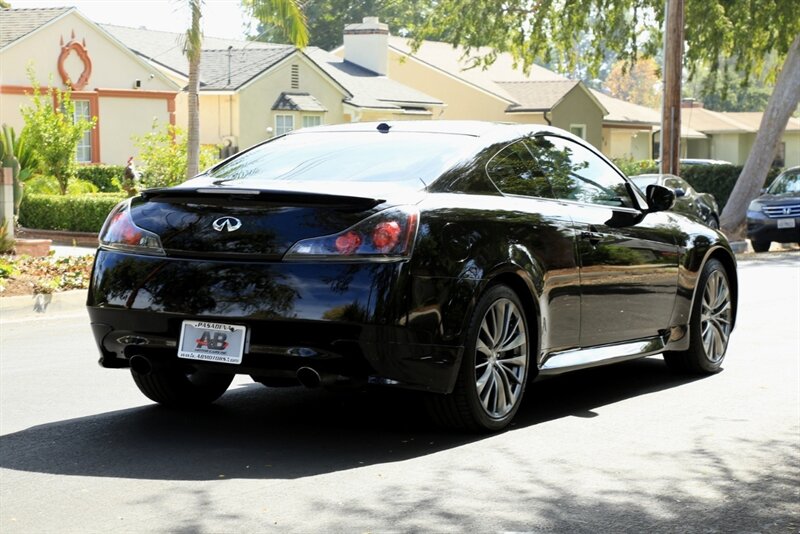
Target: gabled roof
(368,89)
(708,121)
(166,48)
(532,96)
(18,23)
(224,70)
(752,120)
(622,112)
(452,61)
(290,101)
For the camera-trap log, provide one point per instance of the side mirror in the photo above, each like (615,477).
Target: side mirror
(659,198)
(679,193)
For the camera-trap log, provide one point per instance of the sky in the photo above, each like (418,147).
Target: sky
(221,18)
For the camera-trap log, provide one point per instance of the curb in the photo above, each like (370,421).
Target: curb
(36,306)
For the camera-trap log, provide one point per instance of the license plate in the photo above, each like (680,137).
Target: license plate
(785,223)
(212,342)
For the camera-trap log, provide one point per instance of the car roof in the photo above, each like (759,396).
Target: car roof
(484,129)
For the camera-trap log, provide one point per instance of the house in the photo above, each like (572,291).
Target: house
(500,92)
(108,81)
(250,91)
(730,135)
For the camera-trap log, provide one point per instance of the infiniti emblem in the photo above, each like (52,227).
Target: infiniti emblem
(227,224)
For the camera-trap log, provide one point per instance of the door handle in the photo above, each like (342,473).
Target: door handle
(592,237)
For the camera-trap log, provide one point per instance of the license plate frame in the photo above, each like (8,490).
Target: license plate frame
(212,342)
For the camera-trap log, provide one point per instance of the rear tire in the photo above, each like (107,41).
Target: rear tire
(494,369)
(760,246)
(180,388)
(710,324)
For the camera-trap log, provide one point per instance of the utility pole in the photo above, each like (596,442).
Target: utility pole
(671,109)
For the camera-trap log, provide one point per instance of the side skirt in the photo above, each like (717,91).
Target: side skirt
(560,362)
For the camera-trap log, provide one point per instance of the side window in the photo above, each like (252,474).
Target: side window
(585,177)
(514,172)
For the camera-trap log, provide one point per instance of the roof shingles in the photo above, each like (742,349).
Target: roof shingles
(17,23)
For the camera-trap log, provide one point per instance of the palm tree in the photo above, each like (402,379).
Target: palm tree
(287,15)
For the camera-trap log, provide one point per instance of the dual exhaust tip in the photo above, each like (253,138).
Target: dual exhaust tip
(307,376)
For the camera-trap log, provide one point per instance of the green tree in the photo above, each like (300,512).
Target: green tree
(326,19)
(713,30)
(162,152)
(284,14)
(53,132)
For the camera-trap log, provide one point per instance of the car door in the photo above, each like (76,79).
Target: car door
(548,237)
(628,260)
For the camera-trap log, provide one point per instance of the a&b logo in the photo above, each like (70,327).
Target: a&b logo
(212,341)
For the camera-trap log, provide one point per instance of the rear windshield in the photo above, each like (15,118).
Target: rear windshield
(400,157)
(788,183)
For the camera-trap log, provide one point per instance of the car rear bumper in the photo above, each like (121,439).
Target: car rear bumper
(347,320)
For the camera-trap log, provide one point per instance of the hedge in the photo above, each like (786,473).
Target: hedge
(76,213)
(715,179)
(107,178)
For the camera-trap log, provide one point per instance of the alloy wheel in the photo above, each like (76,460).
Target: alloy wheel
(715,316)
(501,358)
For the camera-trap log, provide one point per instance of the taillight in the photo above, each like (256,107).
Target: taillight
(120,232)
(385,236)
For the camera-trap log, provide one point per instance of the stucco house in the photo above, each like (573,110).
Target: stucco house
(250,91)
(500,92)
(729,136)
(108,81)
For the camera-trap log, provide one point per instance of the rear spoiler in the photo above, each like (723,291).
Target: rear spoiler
(265,195)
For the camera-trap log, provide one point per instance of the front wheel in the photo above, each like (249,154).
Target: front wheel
(759,245)
(710,324)
(494,369)
(172,386)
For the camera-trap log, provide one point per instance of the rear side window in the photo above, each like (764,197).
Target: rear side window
(515,172)
(578,174)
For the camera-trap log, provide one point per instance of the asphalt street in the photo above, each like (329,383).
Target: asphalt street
(627,448)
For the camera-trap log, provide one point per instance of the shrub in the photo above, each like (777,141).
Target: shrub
(84,213)
(107,178)
(715,179)
(163,154)
(53,131)
(48,185)
(718,179)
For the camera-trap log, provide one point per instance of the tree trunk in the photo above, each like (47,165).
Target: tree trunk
(782,103)
(193,135)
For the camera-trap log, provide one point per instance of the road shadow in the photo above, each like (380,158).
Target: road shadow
(258,432)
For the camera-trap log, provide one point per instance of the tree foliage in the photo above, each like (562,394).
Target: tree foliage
(162,152)
(638,83)
(547,31)
(326,19)
(53,132)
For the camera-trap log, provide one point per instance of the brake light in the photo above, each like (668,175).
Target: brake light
(385,236)
(120,232)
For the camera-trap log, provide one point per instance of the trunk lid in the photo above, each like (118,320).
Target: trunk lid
(208,219)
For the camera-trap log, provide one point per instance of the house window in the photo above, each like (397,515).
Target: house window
(780,156)
(283,124)
(578,130)
(312,120)
(83,154)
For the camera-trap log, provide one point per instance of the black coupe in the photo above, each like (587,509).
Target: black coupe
(461,259)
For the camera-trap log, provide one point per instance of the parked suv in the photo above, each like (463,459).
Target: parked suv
(775,215)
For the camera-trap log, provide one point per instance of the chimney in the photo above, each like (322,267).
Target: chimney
(367,45)
(691,103)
